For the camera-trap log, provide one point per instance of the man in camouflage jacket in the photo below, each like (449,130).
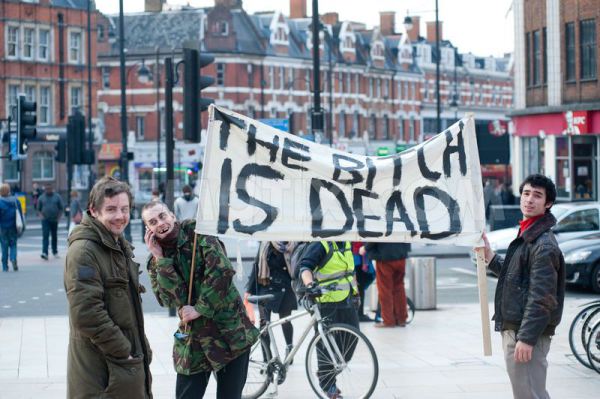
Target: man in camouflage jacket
(215,333)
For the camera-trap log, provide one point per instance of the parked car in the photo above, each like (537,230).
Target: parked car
(574,219)
(582,261)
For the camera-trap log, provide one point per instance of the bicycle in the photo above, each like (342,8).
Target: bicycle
(580,332)
(347,358)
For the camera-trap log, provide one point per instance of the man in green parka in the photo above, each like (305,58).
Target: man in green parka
(215,334)
(109,355)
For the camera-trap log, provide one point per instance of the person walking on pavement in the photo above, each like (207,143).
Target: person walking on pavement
(530,292)
(215,334)
(109,355)
(50,208)
(272,274)
(186,206)
(75,211)
(390,261)
(332,264)
(9,206)
(365,275)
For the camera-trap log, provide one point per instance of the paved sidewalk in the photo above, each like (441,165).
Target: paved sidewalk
(439,355)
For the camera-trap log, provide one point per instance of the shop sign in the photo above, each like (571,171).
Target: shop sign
(109,151)
(498,127)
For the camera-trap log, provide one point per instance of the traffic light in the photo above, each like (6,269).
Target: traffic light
(194,83)
(76,139)
(26,122)
(61,151)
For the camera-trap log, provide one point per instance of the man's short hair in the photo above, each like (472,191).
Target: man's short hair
(152,204)
(541,181)
(187,188)
(107,187)
(4,190)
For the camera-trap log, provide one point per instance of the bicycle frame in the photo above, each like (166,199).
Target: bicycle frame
(315,319)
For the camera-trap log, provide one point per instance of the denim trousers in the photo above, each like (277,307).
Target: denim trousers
(8,240)
(49,228)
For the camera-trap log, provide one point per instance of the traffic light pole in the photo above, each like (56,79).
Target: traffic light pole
(169,141)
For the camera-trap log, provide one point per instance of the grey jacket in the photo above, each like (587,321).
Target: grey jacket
(531,283)
(50,206)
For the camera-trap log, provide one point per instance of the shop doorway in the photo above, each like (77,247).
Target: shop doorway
(584,183)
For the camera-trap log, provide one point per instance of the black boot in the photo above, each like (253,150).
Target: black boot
(15,267)
(288,349)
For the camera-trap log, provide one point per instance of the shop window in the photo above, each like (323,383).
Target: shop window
(533,156)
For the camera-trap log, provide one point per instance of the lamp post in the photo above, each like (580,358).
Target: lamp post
(408,26)
(317,112)
(454,102)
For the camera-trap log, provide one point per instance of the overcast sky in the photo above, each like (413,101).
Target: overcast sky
(482,27)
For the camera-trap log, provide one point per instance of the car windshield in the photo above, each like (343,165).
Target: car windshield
(559,210)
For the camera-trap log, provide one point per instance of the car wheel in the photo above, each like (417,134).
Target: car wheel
(595,279)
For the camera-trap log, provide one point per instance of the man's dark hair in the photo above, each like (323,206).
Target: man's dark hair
(107,187)
(187,188)
(541,181)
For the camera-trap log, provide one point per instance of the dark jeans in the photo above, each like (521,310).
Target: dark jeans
(343,312)
(8,240)
(49,227)
(230,381)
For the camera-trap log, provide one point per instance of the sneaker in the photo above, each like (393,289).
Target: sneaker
(364,318)
(56,256)
(14,264)
(383,325)
(44,256)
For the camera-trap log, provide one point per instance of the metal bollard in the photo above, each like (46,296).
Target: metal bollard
(423,282)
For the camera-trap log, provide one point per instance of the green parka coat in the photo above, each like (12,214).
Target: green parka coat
(105,317)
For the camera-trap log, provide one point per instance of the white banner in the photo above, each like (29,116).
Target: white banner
(264,184)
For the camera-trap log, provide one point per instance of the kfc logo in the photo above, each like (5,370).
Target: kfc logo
(576,122)
(498,127)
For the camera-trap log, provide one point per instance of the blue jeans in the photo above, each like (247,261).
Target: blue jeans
(49,227)
(8,240)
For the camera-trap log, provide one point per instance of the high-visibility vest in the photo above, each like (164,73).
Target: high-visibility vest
(336,277)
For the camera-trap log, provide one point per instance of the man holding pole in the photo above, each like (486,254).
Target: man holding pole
(191,272)
(530,291)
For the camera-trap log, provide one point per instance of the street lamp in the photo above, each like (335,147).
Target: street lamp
(317,112)
(408,25)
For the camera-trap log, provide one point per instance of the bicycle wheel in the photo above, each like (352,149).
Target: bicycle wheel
(259,377)
(410,310)
(355,377)
(593,347)
(580,331)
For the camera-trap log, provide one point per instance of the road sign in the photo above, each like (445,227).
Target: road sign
(277,123)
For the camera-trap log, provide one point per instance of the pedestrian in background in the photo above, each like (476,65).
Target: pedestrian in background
(36,191)
(215,334)
(9,208)
(50,208)
(365,275)
(531,290)
(186,206)
(75,211)
(272,274)
(109,355)
(390,261)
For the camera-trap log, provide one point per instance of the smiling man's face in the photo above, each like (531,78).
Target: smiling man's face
(533,201)
(159,220)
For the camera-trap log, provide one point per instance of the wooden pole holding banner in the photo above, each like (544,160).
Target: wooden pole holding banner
(483,301)
(191,283)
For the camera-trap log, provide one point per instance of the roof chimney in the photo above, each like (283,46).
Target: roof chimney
(153,5)
(331,18)
(415,31)
(431,31)
(297,8)
(387,21)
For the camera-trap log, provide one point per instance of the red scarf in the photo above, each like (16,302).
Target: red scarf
(525,224)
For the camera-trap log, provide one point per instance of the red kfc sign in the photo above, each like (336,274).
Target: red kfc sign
(576,122)
(498,127)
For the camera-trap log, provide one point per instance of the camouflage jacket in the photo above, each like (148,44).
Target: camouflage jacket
(223,331)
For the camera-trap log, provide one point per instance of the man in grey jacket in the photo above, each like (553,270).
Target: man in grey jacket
(50,208)
(531,289)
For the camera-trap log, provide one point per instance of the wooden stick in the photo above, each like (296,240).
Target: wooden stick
(483,301)
(192,270)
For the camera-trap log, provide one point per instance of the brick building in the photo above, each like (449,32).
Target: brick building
(44,55)
(557,94)
(380,90)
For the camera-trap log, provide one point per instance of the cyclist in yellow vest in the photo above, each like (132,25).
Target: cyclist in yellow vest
(331,266)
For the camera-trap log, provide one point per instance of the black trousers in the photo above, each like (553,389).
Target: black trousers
(342,312)
(49,230)
(230,381)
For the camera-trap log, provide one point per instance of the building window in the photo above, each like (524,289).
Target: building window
(43,165)
(537,58)
(30,93)
(281,78)
(106,77)
(378,88)
(28,43)
(75,47)
(220,74)
(342,126)
(357,83)
(12,41)
(401,129)
(411,130)
(43,44)
(545,57)
(76,97)
(13,92)
(252,112)
(349,82)
(355,124)
(100,33)
(588,49)
(528,58)
(370,87)
(372,126)
(386,127)
(250,69)
(10,171)
(570,51)
(223,28)
(139,127)
(44,105)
